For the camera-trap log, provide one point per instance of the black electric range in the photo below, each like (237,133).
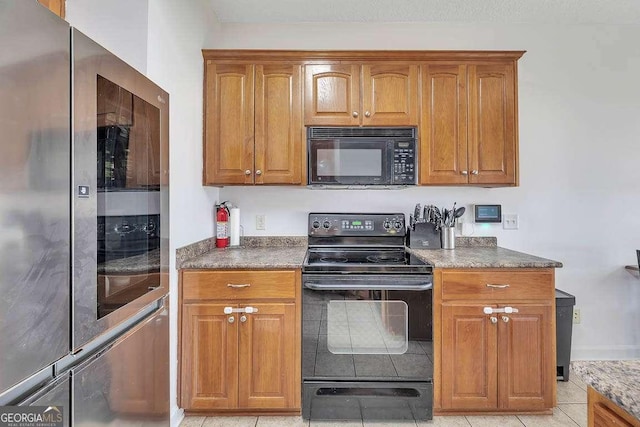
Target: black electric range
(367,321)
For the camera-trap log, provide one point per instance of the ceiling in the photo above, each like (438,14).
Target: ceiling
(478,11)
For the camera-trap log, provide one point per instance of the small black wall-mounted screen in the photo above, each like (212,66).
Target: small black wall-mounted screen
(488,213)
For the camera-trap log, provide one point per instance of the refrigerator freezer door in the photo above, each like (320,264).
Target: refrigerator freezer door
(56,394)
(127,384)
(34,190)
(110,97)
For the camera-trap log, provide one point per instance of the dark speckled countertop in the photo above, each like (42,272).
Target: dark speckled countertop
(482,257)
(617,380)
(289,252)
(254,252)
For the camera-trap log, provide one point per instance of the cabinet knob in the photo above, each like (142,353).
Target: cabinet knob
(493,319)
(258,172)
(505,319)
(354,114)
(231,319)
(474,172)
(243,318)
(367,114)
(464,173)
(247,172)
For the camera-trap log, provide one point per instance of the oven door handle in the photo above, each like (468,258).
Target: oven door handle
(360,286)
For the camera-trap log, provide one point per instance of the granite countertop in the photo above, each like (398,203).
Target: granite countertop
(617,380)
(138,264)
(254,252)
(482,257)
(289,252)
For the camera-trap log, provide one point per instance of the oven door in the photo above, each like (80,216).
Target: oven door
(367,346)
(352,161)
(120,170)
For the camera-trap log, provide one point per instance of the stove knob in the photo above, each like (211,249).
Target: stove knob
(386,225)
(315,224)
(326,224)
(398,225)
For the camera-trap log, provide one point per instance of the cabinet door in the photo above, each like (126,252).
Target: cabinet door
(278,124)
(209,358)
(605,417)
(269,358)
(526,359)
(229,121)
(332,95)
(492,124)
(390,95)
(469,358)
(443,140)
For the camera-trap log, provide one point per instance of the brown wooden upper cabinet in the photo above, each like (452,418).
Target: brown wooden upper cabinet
(361,95)
(55,6)
(253,123)
(469,129)
(464,104)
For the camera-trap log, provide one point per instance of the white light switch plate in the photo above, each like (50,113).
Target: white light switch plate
(510,222)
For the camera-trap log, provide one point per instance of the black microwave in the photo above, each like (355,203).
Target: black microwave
(361,156)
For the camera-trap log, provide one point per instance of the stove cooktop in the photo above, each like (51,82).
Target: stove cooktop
(370,260)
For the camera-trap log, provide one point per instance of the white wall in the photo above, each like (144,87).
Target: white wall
(118,25)
(579,119)
(163,39)
(177,32)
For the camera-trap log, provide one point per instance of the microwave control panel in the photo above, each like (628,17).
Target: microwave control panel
(404,162)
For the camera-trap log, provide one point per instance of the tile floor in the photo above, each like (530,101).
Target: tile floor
(571,411)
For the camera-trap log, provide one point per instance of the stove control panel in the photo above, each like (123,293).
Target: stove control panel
(326,224)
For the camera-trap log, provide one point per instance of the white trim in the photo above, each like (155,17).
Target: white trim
(177,417)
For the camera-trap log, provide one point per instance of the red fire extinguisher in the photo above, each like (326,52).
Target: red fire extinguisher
(222,225)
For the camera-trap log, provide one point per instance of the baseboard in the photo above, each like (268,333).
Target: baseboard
(615,352)
(177,417)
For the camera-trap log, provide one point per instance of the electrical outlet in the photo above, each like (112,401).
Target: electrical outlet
(576,315)
(261,222)
(510,222)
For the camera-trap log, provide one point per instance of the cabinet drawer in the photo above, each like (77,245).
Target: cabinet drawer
(238,285)
(497,285)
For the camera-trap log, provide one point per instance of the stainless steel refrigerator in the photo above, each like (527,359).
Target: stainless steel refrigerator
(84,196)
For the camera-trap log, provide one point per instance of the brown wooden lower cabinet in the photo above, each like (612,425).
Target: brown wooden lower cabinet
(240,361)
(500,361)
(602,412)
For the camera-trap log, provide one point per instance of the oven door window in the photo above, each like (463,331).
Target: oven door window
(367,327)
(348,162)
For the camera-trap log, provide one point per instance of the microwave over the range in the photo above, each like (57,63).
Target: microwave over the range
(354,156)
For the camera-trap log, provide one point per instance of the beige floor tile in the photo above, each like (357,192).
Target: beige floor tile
(317,423)
(577,381)
(230,422)
(445,422)
(192,422)
(576,411)
(291,421)
(407,423)
(570,393)
(494,421)
(558,419)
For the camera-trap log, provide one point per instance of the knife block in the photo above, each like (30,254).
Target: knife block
(424,236)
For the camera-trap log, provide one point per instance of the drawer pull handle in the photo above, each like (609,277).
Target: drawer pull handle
(489,285)
(239,285)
